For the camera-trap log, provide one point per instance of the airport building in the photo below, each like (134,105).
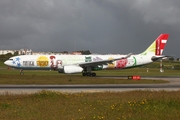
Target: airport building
(3,52)
(30,52)
(25,52)
(20,52)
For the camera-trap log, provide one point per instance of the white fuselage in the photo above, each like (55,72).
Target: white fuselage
(59,61)
(87,63)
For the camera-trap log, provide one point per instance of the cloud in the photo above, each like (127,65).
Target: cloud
(101,26)
(158,12)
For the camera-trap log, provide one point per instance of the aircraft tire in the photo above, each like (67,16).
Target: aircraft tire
(93,74)
(88,74)
(84,74)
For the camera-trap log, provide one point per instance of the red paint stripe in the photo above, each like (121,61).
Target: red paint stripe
(159,45)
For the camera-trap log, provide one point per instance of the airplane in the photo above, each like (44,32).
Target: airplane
(86,64)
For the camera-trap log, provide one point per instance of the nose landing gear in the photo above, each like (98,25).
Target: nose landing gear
(21,72)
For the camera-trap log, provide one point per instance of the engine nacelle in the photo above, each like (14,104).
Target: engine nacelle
(72,69)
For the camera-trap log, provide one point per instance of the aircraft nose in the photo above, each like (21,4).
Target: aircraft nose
(7,62)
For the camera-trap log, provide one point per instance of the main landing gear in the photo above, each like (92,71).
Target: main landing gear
(87,72)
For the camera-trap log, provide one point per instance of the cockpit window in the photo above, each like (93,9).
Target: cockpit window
(11,59)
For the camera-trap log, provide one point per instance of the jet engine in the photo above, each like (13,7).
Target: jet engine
(72,69)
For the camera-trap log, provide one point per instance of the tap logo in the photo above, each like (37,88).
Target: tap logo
(42,61)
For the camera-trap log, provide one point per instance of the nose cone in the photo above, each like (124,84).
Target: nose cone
(7,62)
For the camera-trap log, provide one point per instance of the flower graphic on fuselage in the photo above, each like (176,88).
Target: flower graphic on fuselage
(121,63)
(16,62)
(18,59)
(42,61)
(13,62)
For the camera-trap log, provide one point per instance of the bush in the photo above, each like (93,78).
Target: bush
(177,67)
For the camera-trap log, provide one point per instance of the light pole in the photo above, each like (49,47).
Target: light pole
(161,66)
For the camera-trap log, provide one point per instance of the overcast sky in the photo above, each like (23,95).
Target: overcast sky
(101,26)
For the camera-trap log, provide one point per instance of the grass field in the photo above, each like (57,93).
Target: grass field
(11,76)
(47,105)
(153,70)
(134,105)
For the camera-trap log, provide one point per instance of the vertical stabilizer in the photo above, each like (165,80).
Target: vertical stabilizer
(157,47)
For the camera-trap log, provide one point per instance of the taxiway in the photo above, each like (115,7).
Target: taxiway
(173,85)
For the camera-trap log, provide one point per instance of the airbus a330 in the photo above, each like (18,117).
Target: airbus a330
(86,64)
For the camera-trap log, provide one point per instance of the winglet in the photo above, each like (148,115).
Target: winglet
(127,56)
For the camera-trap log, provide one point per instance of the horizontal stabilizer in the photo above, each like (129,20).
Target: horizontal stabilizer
(155,58)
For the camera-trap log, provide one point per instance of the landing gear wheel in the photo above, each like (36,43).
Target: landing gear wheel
(89,74)
(93,74)
(84,74)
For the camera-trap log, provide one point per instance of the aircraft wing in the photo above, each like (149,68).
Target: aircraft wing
(102,62)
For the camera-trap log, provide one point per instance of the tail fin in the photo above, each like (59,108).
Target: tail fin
(157,47)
